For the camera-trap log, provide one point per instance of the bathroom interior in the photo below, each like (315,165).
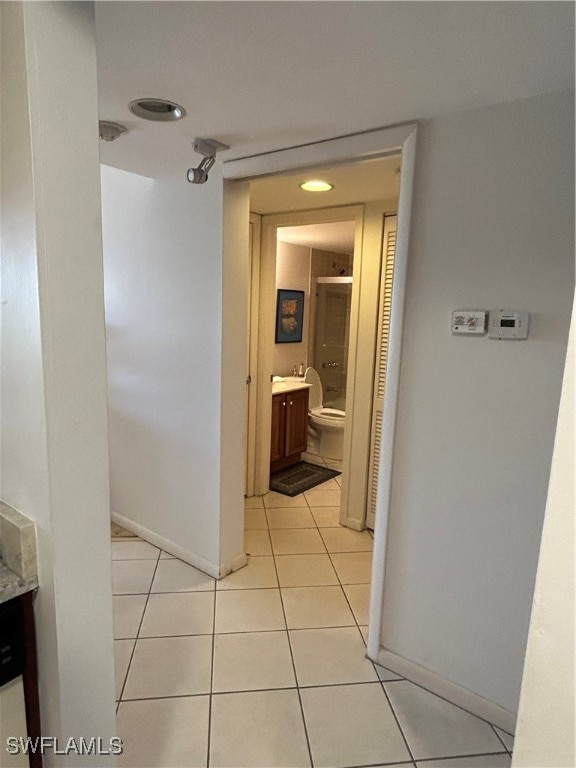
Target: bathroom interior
(315,258)
(318,260)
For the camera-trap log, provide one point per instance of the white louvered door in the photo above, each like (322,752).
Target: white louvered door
(389,246)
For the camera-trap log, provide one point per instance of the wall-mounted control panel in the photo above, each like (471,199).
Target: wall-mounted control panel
(507,324)
(468,322)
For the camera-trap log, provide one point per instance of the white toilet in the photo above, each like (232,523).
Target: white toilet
(325,425)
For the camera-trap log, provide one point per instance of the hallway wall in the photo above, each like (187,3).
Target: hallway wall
(54,462)
(492,227)
(545,734)
(163,293)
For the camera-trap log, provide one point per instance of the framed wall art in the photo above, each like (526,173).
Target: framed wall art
(289,316)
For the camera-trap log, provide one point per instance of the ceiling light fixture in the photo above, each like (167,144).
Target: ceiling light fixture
(316,186)
(158,110)
(208,148)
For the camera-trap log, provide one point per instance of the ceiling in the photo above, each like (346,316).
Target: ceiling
(265,75)
(355,183)
(338,236)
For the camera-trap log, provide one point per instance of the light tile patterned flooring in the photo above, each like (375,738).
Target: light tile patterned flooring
(267,667)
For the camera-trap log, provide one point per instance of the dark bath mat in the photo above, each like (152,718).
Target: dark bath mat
(299,478)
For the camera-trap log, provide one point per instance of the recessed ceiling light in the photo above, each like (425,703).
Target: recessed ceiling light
(316,186)
(159,110)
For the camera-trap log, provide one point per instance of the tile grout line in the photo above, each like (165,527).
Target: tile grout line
(295,687)
(290,647)
(500,739)
(338,575)
(447,757)
(138,630)
(398,723)
(459,757)
(329,554)
(458,706)
(384,765)
(397,679)
(209,734)
(360,631)
(347,599)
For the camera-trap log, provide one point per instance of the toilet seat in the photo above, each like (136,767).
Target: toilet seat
(325,425)
(329,418)
(330,413)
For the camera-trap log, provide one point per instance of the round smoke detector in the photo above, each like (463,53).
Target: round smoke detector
(159,110)
(110,131)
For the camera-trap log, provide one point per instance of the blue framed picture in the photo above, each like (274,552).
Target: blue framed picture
(289,316)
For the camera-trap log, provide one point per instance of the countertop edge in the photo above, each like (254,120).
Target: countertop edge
(12,585)
(280,387)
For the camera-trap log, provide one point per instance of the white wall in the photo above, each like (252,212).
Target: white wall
(12,722)
(293,273)
(163,289)
(545,734)
(492,227)
(53,439)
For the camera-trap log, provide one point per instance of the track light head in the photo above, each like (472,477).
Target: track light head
(197,175)
(208,148)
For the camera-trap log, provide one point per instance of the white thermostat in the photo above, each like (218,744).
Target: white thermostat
(468,321)
(506,324)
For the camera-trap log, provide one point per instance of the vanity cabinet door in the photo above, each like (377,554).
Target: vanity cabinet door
(296,421)
(278,438)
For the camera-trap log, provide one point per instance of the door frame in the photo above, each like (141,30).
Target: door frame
(374,144)
(252,350)
(368,219)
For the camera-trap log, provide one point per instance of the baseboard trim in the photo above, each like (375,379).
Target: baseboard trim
(453,692)
(354,523)
(212,569)
(233,565)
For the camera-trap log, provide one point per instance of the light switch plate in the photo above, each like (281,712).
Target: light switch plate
(467,322)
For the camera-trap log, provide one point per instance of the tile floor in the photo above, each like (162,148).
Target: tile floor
(267,667)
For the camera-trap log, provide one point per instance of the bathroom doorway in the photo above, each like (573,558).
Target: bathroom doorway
(349,374)
(360,152)
(319,259)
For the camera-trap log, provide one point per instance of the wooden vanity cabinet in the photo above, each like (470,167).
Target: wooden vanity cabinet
(289,428)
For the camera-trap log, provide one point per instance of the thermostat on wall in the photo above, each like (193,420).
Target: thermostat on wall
(468,321)
(506,324)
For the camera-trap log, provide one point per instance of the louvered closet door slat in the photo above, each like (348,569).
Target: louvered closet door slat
(381,360)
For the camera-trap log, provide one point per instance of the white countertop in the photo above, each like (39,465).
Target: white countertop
(18,565)
(12,585)
(289,384)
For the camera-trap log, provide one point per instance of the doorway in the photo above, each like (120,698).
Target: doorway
(361,149)
(318,259)
(347,373)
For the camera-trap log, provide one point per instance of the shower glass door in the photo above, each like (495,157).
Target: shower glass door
(331,335)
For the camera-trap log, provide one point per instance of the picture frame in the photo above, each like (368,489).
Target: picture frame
(289,316)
